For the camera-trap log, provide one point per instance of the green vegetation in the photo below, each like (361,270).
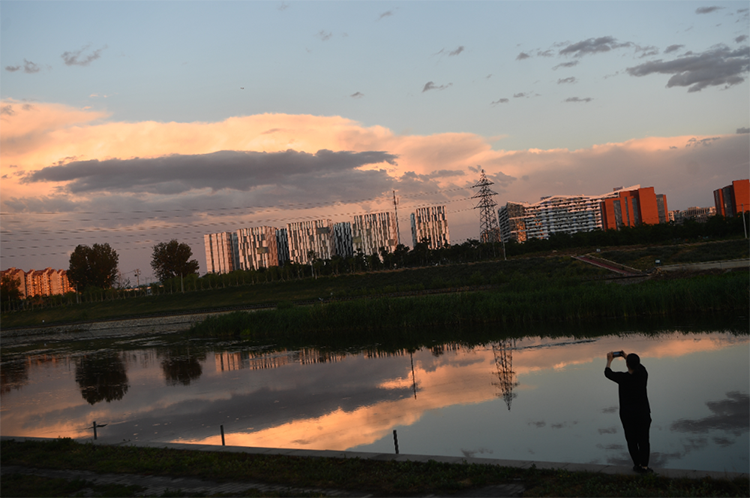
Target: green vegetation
(374,476)
(644,258)
(236,290)
(32,486)
(519,301)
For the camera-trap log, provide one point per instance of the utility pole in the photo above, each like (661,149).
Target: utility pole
(489,229)
(395,208)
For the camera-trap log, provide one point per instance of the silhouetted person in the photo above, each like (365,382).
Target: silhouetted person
(635,412)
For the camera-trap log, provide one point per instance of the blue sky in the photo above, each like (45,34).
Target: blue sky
(549,97)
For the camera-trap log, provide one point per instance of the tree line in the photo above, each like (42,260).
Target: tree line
(94,270)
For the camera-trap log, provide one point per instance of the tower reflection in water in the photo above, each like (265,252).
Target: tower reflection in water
(506,377)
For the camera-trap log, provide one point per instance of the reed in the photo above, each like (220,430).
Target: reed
(514,304)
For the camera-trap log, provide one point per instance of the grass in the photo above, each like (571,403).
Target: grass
(242,296)
(29,485)
(400,478)
(516,302)
(644,258)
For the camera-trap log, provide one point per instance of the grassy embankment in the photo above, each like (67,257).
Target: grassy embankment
(395,282)
(514,304)
(643,258)
(377,477)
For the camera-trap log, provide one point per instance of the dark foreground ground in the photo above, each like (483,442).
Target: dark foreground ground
(63,467)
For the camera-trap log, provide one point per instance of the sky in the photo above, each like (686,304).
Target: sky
(135,123)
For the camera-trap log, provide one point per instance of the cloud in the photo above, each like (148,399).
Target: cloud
(571,79)
(28,67)
(719,66)
(538,424)
(283,6)
(519,95)
(387,13)
(431,86)
(742,130)
(357,95)
(522,56)
(729,415)
(707,10)
(694,142)
(176,174)
(646,51)
(740,38)
(608,430)
(566,64)
(673,48)
(456,52)
(546,53)
(576,99)
(74,58)
(593,46)
(500,101)
(324,35)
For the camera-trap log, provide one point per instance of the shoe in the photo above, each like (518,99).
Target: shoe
(648,470)
(638,469)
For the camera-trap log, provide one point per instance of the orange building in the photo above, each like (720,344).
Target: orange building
(733,199)
(634,207)
(47,282)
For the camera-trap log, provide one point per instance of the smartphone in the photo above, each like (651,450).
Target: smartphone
(617,353)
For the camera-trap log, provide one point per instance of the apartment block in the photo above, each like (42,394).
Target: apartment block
(699,214)
(372,231)
(47,282)
(342,237)
(430,223)
(222,252)
(307,236)
(733,199)
(522,221)
(257,248)
(634,206)
(282,245)
(569,214)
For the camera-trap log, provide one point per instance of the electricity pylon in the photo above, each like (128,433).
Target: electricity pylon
(503,352)
(489,229)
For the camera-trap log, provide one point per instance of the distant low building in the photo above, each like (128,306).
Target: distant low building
(47,282)
(699,214)
(733,199)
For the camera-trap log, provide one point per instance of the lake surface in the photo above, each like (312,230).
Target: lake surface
(532,399)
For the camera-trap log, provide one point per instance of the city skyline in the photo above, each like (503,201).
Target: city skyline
(224,115)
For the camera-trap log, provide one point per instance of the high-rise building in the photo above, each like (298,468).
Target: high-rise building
(733,199)
(306,237)
(282,245)
(342,237)
(430,223)
(372,231)
(634,206)
(222,252)
(569,214)
(257,248)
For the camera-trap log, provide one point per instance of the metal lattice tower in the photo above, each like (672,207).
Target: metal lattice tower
(503,352)
(489,228)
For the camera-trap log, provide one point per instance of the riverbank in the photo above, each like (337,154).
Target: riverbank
(517,302)
(330,473)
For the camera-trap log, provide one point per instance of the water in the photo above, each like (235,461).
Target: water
(531,399)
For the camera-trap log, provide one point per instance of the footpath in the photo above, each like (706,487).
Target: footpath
(158,485)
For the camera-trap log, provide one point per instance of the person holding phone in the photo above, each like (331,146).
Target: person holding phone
(635,411)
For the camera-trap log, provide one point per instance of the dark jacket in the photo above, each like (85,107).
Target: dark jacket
(632,391)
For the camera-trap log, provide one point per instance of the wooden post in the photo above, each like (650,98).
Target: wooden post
(395,440)
(222,435)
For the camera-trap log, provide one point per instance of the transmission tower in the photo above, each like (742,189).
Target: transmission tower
(489,229)
(503,352)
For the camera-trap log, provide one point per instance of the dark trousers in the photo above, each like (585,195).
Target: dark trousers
(636,434)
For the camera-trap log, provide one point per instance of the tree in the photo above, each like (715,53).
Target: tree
(172,259)
(10,289)
(93,266)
